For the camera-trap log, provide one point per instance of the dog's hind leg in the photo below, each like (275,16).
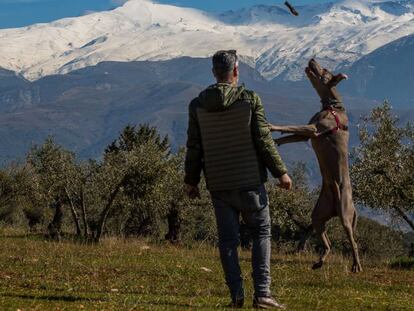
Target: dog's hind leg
(349,229)
(356,266)
(320,229)
(321,214)
(348,216)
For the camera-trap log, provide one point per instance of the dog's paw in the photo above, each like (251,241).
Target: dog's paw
(317,265)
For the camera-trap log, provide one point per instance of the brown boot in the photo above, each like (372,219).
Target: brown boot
(267,303)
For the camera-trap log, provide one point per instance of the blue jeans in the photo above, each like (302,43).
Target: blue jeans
(252,204)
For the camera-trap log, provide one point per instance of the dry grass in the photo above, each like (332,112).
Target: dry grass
(133,275)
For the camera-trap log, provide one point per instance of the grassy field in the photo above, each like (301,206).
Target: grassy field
(133,275)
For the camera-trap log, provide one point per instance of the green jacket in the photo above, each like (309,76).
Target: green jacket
(219,97)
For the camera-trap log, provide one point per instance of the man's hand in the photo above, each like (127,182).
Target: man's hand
(285,182)
(192,191)
(276,128)
(273,128)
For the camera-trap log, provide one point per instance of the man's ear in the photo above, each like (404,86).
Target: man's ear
(236,71)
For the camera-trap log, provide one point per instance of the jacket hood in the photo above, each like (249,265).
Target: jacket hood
(220,96)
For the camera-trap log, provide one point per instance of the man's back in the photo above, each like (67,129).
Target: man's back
(228,137)
(230,159)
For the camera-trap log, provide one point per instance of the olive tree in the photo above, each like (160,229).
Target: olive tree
(127,185)
(132,183)
(52,171)
(291,210)
(383,164)
(8,195)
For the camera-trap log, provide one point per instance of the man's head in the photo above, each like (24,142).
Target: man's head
(226,67)
(324,81)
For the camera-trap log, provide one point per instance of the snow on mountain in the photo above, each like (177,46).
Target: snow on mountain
(276,43)
(385,73)
(275,14)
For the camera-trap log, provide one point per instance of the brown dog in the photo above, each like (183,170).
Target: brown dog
(329,135)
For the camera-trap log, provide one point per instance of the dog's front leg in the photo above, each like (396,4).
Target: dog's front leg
(308,131)
(290,139)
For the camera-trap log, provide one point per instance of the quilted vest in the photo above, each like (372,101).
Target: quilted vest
(230,158)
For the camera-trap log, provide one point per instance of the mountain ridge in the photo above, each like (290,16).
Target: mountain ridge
(386,73)
(270,40)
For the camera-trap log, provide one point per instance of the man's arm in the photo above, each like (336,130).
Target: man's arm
(194,154)
(264,141)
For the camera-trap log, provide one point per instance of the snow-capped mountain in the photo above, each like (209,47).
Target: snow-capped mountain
(386,73)
(269,39)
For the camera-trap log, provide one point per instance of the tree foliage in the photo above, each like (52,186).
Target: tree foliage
(291,210)
(383,164)
(135,189)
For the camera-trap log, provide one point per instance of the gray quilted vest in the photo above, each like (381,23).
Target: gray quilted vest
(230,158)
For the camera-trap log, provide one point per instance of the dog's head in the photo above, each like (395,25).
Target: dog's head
(324,81)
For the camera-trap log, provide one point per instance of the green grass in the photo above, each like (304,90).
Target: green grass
(126,275)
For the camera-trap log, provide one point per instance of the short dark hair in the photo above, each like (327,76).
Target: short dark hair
(224,62)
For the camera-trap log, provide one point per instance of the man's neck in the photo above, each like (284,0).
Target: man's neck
(232,83)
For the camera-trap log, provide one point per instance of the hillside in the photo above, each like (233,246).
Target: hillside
(86,109)
(386,73)
(132,274)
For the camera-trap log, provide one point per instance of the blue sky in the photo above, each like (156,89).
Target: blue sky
(17,13)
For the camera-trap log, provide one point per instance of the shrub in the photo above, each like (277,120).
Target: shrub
(404,263)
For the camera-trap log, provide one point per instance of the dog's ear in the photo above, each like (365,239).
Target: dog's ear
(336,79)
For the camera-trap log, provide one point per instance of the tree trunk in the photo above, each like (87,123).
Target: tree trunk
(75,215)
(144,228)
(174,225)
(105,212)
(304,240)
(411,253)
(297,222)
(84,217)
(399,210)
(404,216)
(55,227)
(306,231)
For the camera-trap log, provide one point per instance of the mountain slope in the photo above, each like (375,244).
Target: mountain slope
(86,109)
(386,73)
(268,38)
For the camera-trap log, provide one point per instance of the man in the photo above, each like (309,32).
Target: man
(229,138)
